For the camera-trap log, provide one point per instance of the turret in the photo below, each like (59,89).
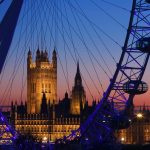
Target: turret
(29,58)
(12,106)
(25,106)
(66,95)
(49,110)
(54,59)
(42,76)
(38,57)
(78,80)
(42,55)
(46,56)
(44,104)
(94,103)
(78,95)
(12,113)
(53,111)
(16,110)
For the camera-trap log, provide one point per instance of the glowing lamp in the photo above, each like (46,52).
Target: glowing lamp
(122,139)
(44,139)
(139,115)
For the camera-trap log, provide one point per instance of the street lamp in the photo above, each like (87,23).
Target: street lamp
(140,133)
(139,115)
(44,139)
(122,139)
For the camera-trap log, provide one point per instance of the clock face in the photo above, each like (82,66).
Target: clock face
(1,1)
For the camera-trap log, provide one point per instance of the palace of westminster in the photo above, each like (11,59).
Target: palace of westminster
(43,115)
(47,118)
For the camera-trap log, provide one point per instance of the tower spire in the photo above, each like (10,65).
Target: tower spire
(44,104)
(78,94)
(29,52)
(54,53)
(54,58)
(29,58)
(41,76)
(78,80)
(78,69)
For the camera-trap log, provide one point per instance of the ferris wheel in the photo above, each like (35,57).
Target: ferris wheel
(67,20)
(115,107)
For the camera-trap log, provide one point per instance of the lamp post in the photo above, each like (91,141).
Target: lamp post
(139,117)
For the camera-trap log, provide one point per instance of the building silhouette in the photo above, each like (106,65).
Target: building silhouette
(139,130)
(78,95)
(43,115)
(49,119)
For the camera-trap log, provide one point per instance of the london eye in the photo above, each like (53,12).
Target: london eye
(77,36)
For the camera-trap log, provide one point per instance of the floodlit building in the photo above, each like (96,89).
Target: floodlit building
(41,77)
(139,130)
(49,119)
(43,115)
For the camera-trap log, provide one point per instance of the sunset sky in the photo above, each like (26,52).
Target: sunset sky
(67,26)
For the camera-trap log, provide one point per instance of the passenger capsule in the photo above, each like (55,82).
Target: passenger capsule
(143,44)
(135,87)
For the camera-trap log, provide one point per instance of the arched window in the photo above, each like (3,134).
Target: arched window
(33,87)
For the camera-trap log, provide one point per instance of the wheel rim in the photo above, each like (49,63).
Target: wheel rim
(115,101)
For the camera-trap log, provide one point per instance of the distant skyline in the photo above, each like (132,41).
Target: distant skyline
(54,22)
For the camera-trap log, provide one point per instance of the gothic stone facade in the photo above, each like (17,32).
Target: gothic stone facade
(139,130)
(41,77)
(42,116)
(53,122)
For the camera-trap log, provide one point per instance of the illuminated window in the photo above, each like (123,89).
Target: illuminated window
(49,88)
(42,87)
(33,87)
(45,87)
